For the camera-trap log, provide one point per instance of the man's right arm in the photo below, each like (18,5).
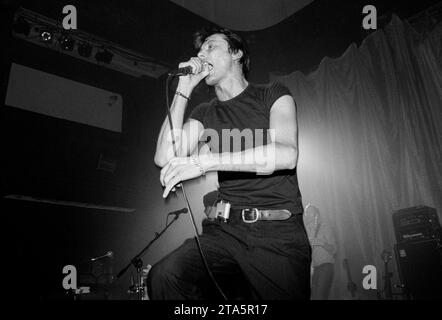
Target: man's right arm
(186,136)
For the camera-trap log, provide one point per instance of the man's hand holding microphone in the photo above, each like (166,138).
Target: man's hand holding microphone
(191,73)
(179,169)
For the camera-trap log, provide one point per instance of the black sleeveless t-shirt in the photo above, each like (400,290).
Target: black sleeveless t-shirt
(248,114)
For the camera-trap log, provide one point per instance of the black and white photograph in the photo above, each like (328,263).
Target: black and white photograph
(225,157)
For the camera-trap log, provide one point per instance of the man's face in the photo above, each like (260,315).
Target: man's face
(215,51)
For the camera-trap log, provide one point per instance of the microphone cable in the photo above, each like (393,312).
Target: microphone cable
(186,200)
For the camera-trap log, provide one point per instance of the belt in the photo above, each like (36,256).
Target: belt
(251,215)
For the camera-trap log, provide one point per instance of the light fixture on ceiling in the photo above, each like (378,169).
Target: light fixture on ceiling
(104,56)
(40,30)
(46,36)
(84,49)
(66,43)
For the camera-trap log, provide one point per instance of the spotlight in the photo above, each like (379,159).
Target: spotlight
(104,56)
(66,43)
(46,36)
(21,26)
(84,50)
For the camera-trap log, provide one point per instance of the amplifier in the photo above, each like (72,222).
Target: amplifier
(416,224)
(420,268)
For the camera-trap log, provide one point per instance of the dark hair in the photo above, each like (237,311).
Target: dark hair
(234,41)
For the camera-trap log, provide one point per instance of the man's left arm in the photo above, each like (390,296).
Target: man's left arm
(281,153)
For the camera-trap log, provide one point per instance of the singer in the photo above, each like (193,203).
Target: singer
(264,241)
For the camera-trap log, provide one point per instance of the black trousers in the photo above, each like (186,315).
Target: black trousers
(263,260)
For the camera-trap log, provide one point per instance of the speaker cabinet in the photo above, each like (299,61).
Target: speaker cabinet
(420,268)
(416,224)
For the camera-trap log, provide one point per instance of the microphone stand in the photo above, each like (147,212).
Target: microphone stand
(138,263)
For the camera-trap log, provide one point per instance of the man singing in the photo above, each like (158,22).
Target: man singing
(262,238)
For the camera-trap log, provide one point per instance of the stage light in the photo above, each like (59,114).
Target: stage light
(66,43)
(84,50)
(104,56)
(46,36)
(21,26)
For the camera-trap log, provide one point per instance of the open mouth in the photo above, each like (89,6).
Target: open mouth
(209,66)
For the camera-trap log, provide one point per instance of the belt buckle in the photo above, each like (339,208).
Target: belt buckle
(255,210)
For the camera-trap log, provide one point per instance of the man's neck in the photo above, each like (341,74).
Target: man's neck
(230,87)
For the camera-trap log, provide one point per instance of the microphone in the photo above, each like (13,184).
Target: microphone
(109,254)
(181,71)
(178,212)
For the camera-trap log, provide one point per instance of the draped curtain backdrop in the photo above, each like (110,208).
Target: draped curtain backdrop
(370,138)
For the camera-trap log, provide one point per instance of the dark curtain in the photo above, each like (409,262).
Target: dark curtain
(370,139)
